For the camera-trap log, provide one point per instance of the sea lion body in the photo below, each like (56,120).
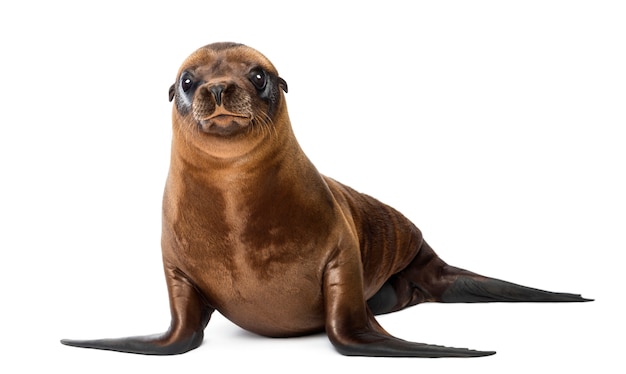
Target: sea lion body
(253,230)
(282,262)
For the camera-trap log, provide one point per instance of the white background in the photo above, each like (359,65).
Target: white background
(496,126)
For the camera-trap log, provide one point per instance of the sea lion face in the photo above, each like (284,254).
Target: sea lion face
(226,90)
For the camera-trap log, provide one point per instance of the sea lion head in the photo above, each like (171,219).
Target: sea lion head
(227,91)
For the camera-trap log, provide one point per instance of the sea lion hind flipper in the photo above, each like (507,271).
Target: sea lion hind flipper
(429,279)
(478,289)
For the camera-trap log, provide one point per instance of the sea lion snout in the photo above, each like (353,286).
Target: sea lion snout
(222,108)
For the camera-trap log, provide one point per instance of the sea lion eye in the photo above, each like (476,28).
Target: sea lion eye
(186,82)
(258,79)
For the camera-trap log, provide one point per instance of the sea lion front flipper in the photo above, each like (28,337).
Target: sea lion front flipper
(351,326)
(190,315)
(376,342)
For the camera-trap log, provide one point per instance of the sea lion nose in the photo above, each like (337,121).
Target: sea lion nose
(217,90)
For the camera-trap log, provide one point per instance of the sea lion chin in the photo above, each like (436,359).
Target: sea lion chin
(252,229)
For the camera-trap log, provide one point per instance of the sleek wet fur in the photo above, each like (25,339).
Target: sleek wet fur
(251,229)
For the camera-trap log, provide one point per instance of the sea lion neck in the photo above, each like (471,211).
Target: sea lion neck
(238,161)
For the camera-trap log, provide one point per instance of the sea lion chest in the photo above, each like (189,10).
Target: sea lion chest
(256,252)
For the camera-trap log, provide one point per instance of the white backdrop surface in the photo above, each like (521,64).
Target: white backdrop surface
(496,126)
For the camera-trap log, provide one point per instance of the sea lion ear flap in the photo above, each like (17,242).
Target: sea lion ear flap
(172,92)
(282,84)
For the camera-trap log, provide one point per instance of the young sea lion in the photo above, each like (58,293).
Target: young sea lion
(253,230)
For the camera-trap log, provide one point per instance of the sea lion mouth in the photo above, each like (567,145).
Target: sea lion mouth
(223,114)
(224,123)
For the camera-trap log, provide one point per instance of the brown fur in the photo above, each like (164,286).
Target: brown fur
(251,229)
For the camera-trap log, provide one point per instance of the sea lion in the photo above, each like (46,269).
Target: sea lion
(252,229)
